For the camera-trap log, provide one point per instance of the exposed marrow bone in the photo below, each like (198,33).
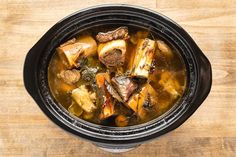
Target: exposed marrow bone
(119,33)
(112,53)
(143,58)
(71,50)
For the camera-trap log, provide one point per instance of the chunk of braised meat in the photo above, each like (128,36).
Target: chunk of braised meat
(119,33)
(69,76)
(84,98)
(125,86)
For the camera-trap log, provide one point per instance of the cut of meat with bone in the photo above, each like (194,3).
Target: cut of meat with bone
(72,50)
(124,86)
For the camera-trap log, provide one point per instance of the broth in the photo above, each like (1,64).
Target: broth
(121,77)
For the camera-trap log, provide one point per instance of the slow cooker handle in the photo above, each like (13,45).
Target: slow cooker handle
(205,78)
(29,73)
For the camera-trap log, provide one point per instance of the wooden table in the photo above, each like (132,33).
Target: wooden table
(26,131)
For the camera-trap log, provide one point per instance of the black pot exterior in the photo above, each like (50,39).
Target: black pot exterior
(198,68)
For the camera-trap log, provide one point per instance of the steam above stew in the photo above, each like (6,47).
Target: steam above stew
(116,76)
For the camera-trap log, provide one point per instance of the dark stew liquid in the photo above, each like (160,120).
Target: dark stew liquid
(120,77)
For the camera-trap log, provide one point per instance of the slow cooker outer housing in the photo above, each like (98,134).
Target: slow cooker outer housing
(198,69)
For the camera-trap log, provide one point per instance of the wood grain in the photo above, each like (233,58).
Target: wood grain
(25,130)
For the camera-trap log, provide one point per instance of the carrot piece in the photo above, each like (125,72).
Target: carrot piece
(121,121)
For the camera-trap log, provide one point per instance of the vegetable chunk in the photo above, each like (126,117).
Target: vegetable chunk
(170,84)
(75,109)
(84,98)
(121,121)
(164,49)
(143,101)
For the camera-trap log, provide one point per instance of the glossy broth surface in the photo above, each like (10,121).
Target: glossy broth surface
(166,81)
